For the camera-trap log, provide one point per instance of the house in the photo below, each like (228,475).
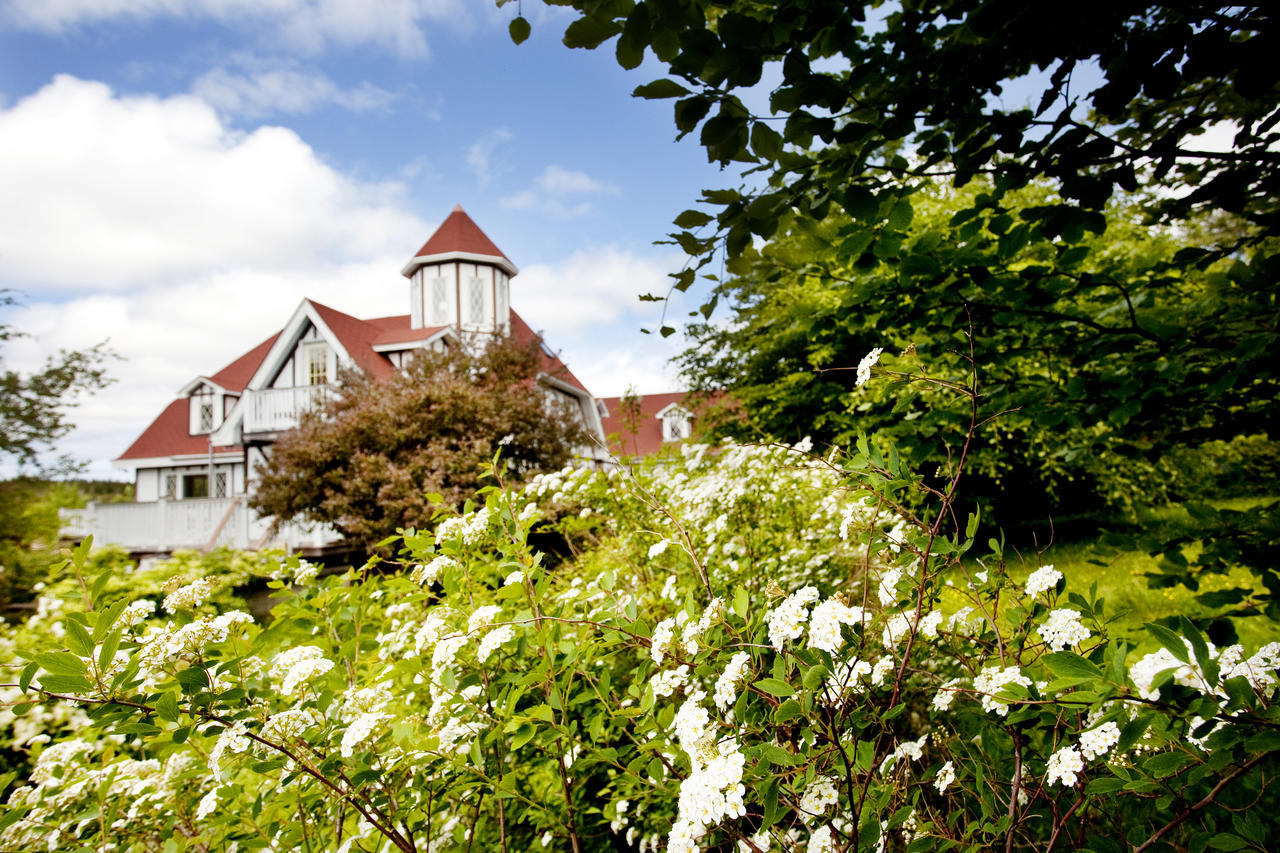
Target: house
(642,425)
(197,462)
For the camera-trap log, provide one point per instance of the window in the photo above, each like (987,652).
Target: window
(316,363)
(675,425)
(170,486)
(202,411)
(476,302)
(195,486)
(439,301)
(501,311)
(220,484)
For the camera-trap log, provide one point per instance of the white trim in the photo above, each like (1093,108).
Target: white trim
(177,461)
(421,343)
(662,413)
(185,390)
(286,342)
(444,257)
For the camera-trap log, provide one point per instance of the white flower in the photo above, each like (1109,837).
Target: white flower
(665,683)
(945,777)
(929,624)
(663,634)
(514,578)
(229,740)
(1063,629)
(819,794)
(727,684)
(136,612)
(190,596)
(1043,579)
(882,668)
(492,640)
(825,622)
(786,621)
(821,841)
(946,695)
(656,549)
(288,725)
(208,803)
(992,680)
(888,590)
(426,574)
(481,617)
(864,366)
(360,729)
(1063,767)
(1098,741)
(305,573)
(295,666)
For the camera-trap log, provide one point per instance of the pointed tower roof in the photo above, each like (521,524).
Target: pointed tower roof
(459,238)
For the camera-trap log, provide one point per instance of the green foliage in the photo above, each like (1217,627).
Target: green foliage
(754,646)
(385,454)
(1104,359)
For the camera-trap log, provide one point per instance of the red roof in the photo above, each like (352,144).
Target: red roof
(458,233)
(237,374)
(644,436)
(551,363)
(168,436)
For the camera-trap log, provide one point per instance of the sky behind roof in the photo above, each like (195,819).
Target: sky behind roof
(179,174)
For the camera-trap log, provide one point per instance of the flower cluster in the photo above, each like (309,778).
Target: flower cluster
(1063,629)
(1042,579)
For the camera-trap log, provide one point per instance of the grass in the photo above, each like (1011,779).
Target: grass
(1120,575)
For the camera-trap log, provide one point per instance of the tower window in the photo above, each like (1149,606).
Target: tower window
(439,302)
(476,301)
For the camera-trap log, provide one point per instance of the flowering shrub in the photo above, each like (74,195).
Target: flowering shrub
(754,649)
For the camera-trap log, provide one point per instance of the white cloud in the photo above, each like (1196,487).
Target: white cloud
(480,155)
(282,87)
(121,193)
(309,26)
(559,191)
(593,289)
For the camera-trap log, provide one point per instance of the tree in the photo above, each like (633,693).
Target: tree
(874,98)
(876,104)
(385,454)
(34,407)
(1095,360)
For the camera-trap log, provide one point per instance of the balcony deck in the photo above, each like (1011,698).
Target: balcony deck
(196,524)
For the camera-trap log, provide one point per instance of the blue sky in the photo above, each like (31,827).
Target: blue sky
(180,173)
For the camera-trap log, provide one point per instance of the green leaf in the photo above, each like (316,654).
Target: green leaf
(1226,841)
(78,639)
(1167,763)
(108,618)
(167,708)
(61,663)
(775,687)
(660,89)
(519,29)
(1070,665)
(787,711)
(778,756)
(524,733)
(590,32)
(765,141)
(1169,640)
(65,683)
(28,672)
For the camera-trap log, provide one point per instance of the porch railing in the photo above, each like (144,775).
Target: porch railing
(278,409)
(198,523)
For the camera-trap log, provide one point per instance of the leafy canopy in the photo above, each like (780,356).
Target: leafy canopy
(1097,357)
(384,454)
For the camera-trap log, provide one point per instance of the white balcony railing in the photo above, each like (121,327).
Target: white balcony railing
(198,523)
(278,409)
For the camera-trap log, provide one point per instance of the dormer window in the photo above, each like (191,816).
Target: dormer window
(676,423)
(203,411)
